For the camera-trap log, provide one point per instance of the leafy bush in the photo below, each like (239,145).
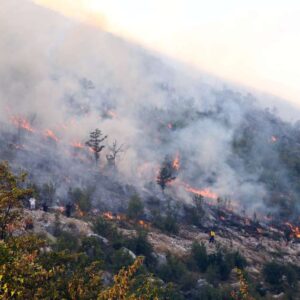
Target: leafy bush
(82,198)
(199,256)
(173,270)
(67,241)
(141,246)
(273,273)
(135,208)
(109,231)
(166,223)
(92,248)
(121,258)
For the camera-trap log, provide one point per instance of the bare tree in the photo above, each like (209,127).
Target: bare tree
(115,150)
(95,142)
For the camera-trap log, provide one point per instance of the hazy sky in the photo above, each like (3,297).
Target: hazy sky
(256,43)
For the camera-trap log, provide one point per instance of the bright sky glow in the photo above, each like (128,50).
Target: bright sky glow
(256,43)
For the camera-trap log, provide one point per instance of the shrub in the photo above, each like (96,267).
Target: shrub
(121,258)
(135,208)
(173,270)
(167,224)
(273,273)
(67,241)
(199,256)
(82,198)
(141,246)
(109,231)
(92,248)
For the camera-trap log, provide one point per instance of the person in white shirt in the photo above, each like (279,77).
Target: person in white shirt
(32,202)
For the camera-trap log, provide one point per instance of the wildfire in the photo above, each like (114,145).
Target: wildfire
(112,114)
(110,216)
(259,230)
(61,209)
(22,123)
(294,229)
(206,193)
(50,134)
(274,139)
(79,212)
(176,162)
(143,224)
(77,145)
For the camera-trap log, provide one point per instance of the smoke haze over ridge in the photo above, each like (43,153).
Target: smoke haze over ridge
(68,78)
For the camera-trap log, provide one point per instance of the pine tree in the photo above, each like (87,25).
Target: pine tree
(95,143)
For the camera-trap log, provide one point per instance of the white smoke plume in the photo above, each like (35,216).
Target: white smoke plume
(66,79)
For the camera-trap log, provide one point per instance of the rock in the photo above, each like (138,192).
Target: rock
(279,296)
(101,238)
(161,258)
(201,282)
(129,252)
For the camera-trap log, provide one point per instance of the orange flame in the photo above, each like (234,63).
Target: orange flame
(79,212)
(206,193)
(22,123)
(50,134)
(143,224)
(77,145)
(294,229)
(108,215)
(111,114)
(176,162)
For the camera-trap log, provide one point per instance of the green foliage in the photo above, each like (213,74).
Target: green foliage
(173,270)
(67,241)
(11,195)
(209,293)
(135,208)
(123,282)
(194,214)
(166,223)
(121,258)
(281,277)
(92,248)
(217,265)
(199,257)
(141,246)
(82,198)
(47,192)
(108,230)
(273,273)
(235,259)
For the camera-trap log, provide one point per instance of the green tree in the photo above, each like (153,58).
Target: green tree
(11,195)
(135,207)
(82,198)
(199,256)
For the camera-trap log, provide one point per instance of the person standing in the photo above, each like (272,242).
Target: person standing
(45,207)
(68,209)
(32,202)
(212,235)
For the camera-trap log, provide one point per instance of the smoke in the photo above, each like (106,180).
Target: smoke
(66,79)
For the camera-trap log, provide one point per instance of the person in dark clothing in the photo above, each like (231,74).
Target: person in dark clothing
(45,207)
(288,234)
(68,209)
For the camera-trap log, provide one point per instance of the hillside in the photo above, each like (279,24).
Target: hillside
(149,156)
(257,248)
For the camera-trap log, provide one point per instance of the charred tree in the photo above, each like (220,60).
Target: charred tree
(95,143)
(115,151)
(166,174)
